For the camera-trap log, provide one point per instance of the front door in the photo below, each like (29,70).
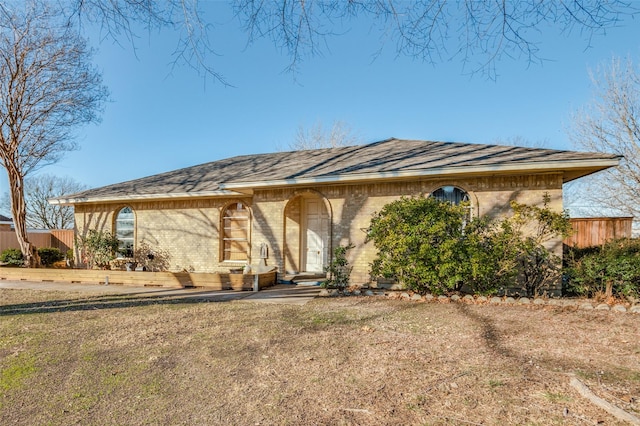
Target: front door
(316,236)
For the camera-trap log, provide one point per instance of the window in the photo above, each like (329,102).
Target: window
(235,233)
(451,194)
(124,231)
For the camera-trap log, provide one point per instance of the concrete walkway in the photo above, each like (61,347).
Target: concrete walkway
(282,293)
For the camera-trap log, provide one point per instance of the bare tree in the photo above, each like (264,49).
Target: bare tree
(37,191)
(611,123)
(318,136)
(48,87)
(476,32)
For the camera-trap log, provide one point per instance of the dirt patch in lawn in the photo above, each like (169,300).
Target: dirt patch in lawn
(118,359)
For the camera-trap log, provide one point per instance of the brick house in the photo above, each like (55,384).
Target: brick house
(295,207)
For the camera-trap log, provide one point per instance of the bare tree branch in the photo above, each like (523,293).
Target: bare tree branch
(120,19)
(477,32)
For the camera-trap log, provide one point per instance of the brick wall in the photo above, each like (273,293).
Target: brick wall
(189,229)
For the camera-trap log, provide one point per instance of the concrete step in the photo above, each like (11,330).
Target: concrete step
(302,278)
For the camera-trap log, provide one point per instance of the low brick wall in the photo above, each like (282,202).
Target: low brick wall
(214,281)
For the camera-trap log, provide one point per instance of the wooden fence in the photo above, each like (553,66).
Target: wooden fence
(62,239)
(58,238)
(595,231)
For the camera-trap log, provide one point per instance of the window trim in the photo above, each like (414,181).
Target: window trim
(467,198)
(223,236)
(119,254)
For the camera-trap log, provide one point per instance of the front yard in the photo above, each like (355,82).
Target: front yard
(356,360)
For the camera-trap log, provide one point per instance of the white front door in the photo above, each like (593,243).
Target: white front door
(316,239)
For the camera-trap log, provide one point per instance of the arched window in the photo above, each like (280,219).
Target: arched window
(451,194)
(235,233)
(125,224)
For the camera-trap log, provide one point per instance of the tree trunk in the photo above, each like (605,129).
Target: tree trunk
(608,292)
(19,213)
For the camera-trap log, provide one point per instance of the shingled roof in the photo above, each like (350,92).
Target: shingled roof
(385,160)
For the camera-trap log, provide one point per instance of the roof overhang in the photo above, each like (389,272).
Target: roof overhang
(63,201)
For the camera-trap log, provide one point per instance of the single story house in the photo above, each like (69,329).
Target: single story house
(290,209)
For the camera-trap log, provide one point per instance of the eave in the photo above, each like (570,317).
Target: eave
(61,201)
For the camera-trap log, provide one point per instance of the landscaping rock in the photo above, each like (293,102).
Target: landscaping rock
(481,299)
(586,306)
(495,300)
(538,301)
(416,297)
(324,293)
(468,298)
(396,287)
(455,298)
(619,308)
(635,309)
(356,292)
(524,301)
(602,307)
(509,300)
(405,295)
(368,293)
(443,299)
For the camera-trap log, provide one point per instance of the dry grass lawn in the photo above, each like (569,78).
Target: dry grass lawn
(67,359)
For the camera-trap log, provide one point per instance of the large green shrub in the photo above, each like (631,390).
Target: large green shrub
(12,257)
(49,255)
(433,246)
(97,248)
(610,270)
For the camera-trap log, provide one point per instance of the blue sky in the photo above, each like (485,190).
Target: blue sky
(162,118)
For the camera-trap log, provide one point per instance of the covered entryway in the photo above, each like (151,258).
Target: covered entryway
(316,235)
(307,233)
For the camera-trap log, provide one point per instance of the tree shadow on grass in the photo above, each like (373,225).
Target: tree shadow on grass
(489,332)
(114,301)
(528,359)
